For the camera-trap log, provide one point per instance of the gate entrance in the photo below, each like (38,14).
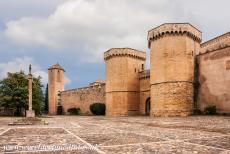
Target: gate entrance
(147,107)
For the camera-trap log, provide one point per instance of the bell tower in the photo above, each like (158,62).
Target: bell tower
(56,84)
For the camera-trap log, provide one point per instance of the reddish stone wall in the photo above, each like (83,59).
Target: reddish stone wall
(170,81)
(214,78)
(82,98)
(216,43)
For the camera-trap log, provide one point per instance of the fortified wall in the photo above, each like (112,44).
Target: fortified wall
(184,76)
(214,74)
(217,43)
(83,97)
(144,77)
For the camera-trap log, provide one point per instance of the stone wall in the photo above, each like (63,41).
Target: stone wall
(82,98)
(175,84)
(144,78)
(216,43)
(214,74)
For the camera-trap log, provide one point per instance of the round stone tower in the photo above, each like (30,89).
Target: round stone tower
(55,85)
(122,81)
(173,48)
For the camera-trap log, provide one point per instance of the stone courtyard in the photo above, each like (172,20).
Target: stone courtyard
(90,134)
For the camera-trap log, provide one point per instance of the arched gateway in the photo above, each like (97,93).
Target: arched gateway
(147,106)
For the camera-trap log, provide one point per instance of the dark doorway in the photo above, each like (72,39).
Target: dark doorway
(147,107)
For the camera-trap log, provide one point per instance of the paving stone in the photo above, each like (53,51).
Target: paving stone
(2,130)
(161,148)
(195,134)
(118,139)
(34,131)
(218,142)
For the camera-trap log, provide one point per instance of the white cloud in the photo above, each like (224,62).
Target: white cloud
(22,63)
(67,80)
(13,9)
(89,27)
(42,74)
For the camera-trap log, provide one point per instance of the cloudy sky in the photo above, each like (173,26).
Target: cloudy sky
(75,33)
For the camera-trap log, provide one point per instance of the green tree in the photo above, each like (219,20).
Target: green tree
(38,97)
(14,93)
(46,105)
(97,108)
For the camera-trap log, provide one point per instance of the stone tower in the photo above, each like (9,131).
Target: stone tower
(56,84)
(122,81)
(173,48)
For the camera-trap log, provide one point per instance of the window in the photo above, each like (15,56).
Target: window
(58,76)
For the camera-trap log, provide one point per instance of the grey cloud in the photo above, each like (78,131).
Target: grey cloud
(88,28)
(14,9)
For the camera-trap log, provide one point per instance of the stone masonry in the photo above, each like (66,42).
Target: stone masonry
(144,77)
(56,84)
(122,81)
(214,74)
(83,97)
(173,48)
(185,75)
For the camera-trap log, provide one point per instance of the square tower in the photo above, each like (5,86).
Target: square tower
(55,85)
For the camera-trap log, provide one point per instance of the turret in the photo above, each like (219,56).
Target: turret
(56,84)
(173,48)
(122,81)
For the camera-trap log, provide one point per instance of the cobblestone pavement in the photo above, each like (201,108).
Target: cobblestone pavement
(134,135)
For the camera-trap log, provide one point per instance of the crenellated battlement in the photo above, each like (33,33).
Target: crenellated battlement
(166,89)
(219,42)
(174,29)
(84,89)
(144,74)
(125,52)
(122,80)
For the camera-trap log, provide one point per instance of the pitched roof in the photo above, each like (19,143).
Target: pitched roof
(56,66)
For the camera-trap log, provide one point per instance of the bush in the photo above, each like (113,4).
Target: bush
(74,111)
(97,108)
(59,110)
(210,110)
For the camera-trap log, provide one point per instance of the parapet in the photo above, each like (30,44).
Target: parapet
(126,52)
(219,42)
(97,82)
(174,29)
(85,89)
(144,74)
